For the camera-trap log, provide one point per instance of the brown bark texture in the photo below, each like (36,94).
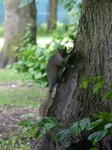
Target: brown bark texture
(16,20)
(92,57)
(52,15)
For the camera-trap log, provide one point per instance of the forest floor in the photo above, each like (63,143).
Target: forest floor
(17,102)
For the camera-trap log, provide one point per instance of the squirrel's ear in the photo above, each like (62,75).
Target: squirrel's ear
(65,48)
(58,49)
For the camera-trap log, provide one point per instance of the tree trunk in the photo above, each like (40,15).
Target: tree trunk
(52,16)
(16,20)
(93,48)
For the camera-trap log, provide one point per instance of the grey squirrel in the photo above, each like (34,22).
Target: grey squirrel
(55,66)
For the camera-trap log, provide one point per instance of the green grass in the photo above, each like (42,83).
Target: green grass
(21,96)
(15,93)
(7,75)
(17,97)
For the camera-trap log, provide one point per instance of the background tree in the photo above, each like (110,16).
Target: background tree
(52,15)
(16,20)
(93,56)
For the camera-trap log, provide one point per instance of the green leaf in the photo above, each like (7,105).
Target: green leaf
(62,134)
(106,117)
(26,129)
(97,87)
(98,78)
(84,84)
(94,148)
(84,123)
(42,65)
(97,136)
(40,133)
(31,133)
(95,115)
(94,124)
(38,75)
(43,121)
(49,126)
(109,125)
(108,95)
(75,129)
(26,123)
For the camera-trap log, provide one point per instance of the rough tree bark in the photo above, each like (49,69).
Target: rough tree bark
(93,48)
(52,15)
(16,20)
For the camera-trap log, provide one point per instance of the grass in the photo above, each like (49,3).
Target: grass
(21,96)
(15,93)
(16,99)
(8,75)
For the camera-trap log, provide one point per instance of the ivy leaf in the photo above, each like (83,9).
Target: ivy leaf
(49,126)
(94,124)
(95,115)
(40,133)
(109,125)
(98,78)
(62,134)
(43,121)
(106,117)
(84,84)
(84,123)
(108,95)
(94,148)
(26,123)
(96,136)
(31,133)
(97,87)
(75,129)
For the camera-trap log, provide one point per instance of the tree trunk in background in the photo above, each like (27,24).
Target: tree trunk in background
(93,48)
(52,16)
(16,20)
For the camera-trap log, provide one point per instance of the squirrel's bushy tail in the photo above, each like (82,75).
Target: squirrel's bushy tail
(45,106)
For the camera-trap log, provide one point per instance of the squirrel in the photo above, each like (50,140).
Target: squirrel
(55,66)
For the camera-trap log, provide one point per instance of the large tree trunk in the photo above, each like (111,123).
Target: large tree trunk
(16,20)
(93,48)
(52,16)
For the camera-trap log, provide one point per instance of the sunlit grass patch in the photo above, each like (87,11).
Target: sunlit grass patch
(15,93)
(22,96)
(7,75)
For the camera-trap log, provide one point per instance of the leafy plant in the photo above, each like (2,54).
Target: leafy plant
(32,60)
(76,129)
(67,29)
(108,95)
(98,80)
(13,143)
(100,128)
(43,125)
